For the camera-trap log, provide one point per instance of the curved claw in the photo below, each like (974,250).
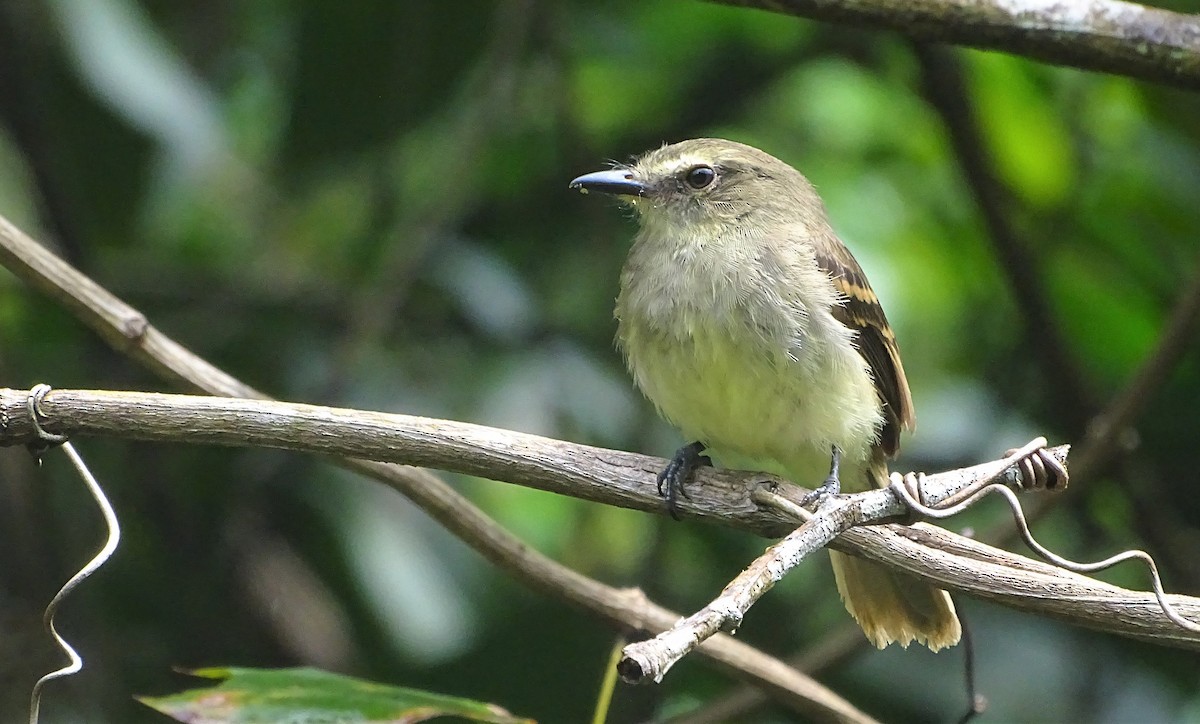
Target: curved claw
(678,472)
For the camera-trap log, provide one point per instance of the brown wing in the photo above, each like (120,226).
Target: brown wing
(876,342)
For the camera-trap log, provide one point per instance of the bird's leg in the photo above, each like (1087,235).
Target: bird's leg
(831,486)
(679,471)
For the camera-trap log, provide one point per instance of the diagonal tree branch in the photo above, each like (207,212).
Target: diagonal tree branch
(1101,35)
(127,330)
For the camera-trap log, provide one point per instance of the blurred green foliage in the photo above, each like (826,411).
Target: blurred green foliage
(365,205)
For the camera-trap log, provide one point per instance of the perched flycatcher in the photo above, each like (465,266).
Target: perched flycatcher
(751,327)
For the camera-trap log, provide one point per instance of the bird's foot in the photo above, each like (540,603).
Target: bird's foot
(831,486)
(678,472)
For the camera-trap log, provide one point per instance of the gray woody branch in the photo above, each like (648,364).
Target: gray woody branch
(129,331)
(606,476)
(1103,35)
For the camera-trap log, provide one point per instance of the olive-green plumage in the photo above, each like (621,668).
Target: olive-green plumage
(751,327)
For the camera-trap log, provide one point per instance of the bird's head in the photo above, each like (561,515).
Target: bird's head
(705,181)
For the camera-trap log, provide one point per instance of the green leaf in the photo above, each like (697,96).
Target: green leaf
(251,696)
(1022,124)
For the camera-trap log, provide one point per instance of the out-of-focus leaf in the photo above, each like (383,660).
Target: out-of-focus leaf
(276,695)
(325,228)
(132,68)
(1087,289)
(1028,139)
(1115,111)
(413,585)
(610,94)
(489,291)
(16,187)
(628,78)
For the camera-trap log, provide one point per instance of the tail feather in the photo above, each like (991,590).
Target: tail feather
(895,608)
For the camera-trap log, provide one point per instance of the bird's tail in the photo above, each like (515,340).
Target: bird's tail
(893,607)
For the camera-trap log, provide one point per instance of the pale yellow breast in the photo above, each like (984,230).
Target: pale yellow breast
(755,409)
(744,367)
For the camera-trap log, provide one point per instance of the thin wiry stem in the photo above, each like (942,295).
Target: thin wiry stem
(110,546)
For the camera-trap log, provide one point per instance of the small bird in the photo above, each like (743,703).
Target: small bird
(750,326)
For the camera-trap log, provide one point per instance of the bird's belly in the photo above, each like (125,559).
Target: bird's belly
(758,407)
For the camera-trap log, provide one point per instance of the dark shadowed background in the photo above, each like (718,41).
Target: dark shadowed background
(365,205)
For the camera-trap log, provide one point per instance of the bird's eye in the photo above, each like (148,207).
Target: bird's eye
(700,176)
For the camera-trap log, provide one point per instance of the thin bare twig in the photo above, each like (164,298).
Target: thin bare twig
(653,658)
(1023,526)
